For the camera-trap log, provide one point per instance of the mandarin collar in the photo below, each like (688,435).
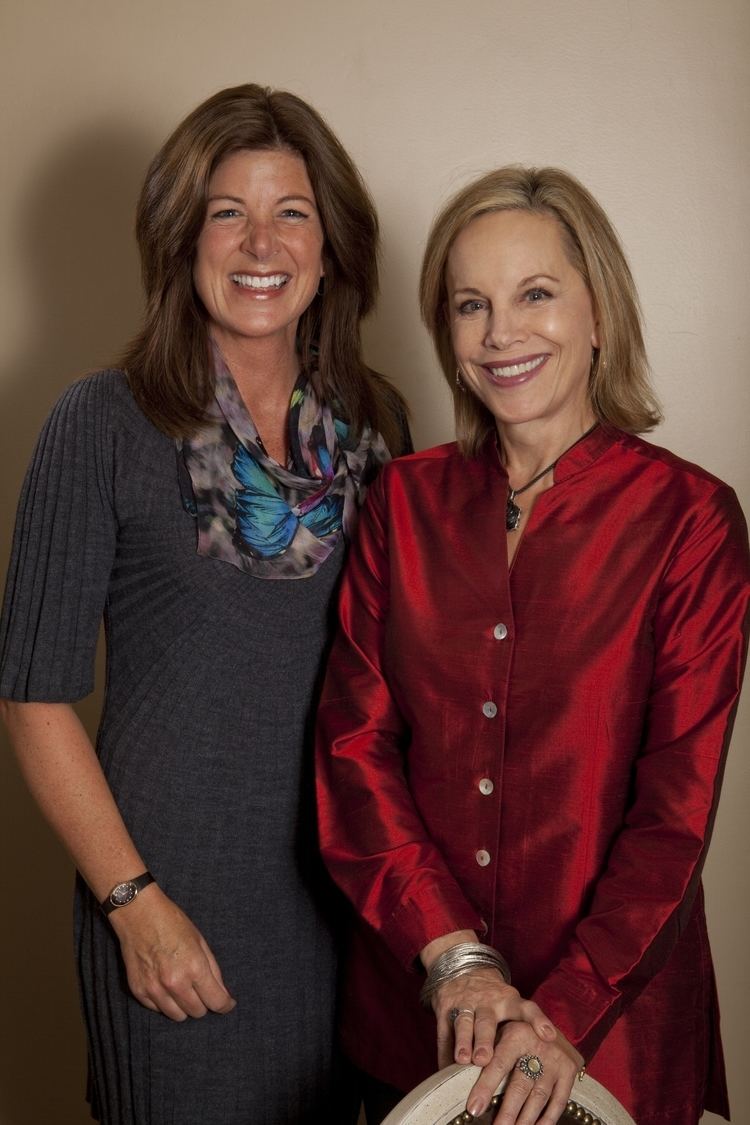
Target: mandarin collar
(582,456)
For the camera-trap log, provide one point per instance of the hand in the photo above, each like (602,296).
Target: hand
(527,1100)
(170,967)
(484,1000)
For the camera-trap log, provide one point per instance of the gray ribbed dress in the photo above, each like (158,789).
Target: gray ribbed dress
(210,678)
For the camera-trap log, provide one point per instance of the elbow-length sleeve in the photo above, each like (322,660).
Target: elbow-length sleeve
(62,553)
(643,899)
(373,838)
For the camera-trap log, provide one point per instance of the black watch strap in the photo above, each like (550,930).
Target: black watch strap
(124,893)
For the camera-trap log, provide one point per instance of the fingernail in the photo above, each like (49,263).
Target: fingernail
(548,1030)
(476,1106)
(463,1055)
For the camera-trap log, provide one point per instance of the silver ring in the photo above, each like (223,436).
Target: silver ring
(531,1066)
(454,1013)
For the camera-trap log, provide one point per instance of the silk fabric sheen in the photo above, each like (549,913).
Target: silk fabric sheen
(615,690)
(271,520)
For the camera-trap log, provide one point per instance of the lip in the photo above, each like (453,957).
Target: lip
(532,365)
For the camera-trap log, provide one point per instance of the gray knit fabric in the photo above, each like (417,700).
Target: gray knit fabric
(204,740)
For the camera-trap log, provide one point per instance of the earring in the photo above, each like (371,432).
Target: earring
(459,381)
(597,361)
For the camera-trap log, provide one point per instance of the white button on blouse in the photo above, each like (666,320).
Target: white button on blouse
(486,786)
(482,857)
(489,709)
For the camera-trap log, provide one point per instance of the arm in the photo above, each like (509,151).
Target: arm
(63,552)
(170,968)
(372,835)
(643,897)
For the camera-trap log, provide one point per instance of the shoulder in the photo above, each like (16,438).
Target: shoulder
(692,498)
(100,403)
(441,475)
(661,462)
(88,403)
(97,389)
(435,453)
(95,427)
(424,468)
(436,459)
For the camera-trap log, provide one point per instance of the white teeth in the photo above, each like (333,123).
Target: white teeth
(517,368)
(255,281)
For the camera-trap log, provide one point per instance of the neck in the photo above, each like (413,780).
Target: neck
(265,371)
(527,448)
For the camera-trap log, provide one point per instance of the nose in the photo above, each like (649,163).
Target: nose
(260,240)
(504,327)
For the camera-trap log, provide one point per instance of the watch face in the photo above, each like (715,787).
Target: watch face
(123,893)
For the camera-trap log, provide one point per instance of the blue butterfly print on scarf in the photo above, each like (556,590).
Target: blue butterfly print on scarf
(264,520)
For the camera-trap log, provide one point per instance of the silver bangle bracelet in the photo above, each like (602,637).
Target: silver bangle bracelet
(457,961)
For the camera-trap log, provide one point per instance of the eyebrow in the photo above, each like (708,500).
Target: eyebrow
(538,277)
(283,199)
(526,281)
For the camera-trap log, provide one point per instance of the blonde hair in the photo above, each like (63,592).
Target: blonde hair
(620,387)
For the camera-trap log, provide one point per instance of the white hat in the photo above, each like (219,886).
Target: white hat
(441,1100)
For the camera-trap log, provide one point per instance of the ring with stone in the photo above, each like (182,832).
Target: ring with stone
(454,1013)
(531,1066)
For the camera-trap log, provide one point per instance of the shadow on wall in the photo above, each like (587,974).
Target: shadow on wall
(77,255)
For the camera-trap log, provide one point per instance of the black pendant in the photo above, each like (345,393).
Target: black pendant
(512,513)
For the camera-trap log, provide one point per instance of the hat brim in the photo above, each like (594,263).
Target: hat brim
(442,1097)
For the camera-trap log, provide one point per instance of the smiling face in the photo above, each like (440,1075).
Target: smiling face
(522,322)
(258,259)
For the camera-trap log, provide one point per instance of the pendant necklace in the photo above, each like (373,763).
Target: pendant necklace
(512,512)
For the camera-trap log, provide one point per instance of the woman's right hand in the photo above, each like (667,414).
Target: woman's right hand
(169,965)
(484,1001)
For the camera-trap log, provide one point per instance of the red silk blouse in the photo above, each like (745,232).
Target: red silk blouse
(537,754)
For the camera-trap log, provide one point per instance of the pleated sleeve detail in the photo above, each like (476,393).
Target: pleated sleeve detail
(62,553)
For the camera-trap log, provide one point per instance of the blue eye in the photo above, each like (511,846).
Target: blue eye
(535,295)
(292,213)
(226,213)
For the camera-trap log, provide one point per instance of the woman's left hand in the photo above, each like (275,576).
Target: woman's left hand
(541,1099)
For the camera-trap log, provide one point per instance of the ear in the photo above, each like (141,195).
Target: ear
(595,337)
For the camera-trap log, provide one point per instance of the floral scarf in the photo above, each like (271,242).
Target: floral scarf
(270,520)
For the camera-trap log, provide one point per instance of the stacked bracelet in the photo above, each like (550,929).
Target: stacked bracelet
(460,959)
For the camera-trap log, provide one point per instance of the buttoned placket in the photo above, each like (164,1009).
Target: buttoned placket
(487,779)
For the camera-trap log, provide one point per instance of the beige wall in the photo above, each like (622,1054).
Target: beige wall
(646,100)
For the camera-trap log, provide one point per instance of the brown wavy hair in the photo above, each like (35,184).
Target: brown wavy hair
(167,364)
(620,386)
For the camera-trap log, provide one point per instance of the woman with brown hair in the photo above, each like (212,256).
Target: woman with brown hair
(200,499)
(527,708)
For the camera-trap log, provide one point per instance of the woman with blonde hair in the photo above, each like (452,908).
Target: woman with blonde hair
(200,498)
(527,707)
